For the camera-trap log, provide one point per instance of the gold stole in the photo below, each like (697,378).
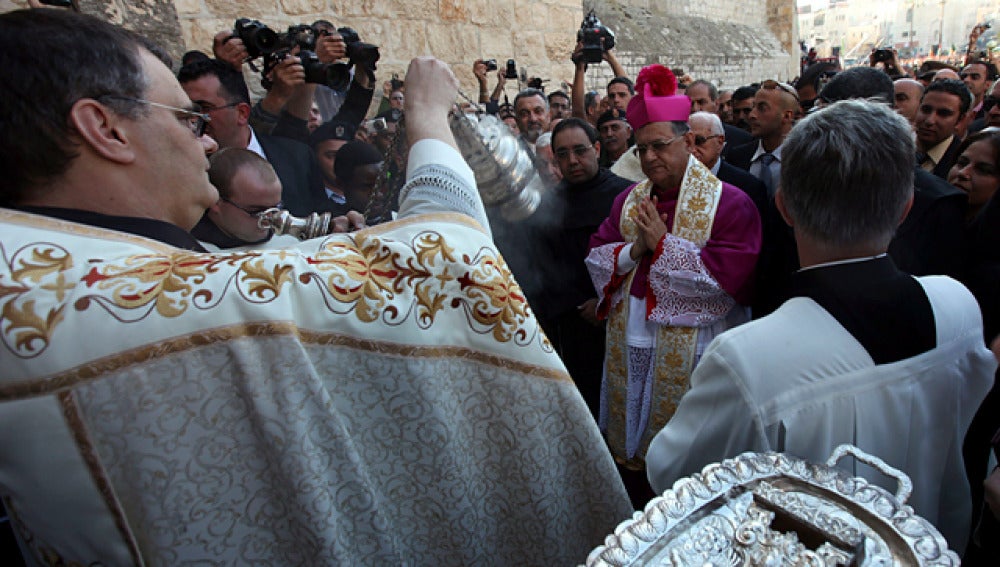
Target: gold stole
(697,203)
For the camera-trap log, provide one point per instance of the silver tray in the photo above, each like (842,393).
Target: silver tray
(775,509)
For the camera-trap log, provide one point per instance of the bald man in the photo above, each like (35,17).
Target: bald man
(907,97)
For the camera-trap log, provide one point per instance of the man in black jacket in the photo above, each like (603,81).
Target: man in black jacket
(222,94)
(572,212)
(929,241)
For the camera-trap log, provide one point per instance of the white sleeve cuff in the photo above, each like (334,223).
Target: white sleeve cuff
(625,262)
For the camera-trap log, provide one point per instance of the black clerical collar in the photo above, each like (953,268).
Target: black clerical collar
(149,228)
(596,181)
(884,309)
(208,231)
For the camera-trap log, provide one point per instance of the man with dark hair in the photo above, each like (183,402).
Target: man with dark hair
(326,143)
(742,105)
(703,95)
(333,402)
(579,204)
(357,171)
(559,105)
(531,109)
(943,110)
(808,85)
(221,92)
(863,353)
(620,91)
(978,75)
(725,106)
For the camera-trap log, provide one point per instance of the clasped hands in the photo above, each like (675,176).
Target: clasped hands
(652,226)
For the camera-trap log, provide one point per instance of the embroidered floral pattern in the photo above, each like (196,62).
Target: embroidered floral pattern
(27,321)
(374,279)
(686,293)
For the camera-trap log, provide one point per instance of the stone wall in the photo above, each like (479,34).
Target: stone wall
(731,42)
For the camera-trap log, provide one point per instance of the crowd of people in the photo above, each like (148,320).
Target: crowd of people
(779,267)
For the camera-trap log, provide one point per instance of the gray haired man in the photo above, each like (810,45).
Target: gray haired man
(863,353)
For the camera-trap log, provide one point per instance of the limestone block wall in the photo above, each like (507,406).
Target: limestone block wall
(731,42)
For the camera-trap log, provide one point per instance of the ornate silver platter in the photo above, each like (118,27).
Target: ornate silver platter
(774,509)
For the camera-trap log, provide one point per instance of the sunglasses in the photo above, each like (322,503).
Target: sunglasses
(775,85)
(255,212)
(700,140)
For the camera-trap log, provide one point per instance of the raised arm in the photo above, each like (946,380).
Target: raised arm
(438,179)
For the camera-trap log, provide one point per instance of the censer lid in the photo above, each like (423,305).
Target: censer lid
(775,509)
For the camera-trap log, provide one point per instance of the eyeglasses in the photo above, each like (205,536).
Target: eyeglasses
(256,212)
(658,146)
(196,121)
(578,151)
(773,85)
(700,140)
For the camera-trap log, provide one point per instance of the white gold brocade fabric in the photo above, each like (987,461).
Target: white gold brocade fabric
(379,398)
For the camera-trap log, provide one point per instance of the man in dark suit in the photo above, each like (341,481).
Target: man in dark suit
(943,110)
(929,241)
(222,94)
(775,107)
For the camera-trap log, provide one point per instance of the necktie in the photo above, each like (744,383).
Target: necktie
(924,160)
(765,172)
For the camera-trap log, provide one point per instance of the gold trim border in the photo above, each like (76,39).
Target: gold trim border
(74,419)
(93,370)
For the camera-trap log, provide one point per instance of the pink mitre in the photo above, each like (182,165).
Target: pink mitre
(656,100)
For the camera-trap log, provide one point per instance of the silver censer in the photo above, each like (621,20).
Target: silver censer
(504,169)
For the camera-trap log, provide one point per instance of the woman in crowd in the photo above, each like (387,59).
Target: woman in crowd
(977,170)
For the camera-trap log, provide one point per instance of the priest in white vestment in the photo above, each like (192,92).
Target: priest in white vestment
(863,353)
(383,397)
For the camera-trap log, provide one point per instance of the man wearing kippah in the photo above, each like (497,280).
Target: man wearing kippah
(672,265)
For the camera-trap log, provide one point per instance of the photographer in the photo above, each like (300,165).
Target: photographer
(579,90)
(492,101)
(284,110)
(889,60)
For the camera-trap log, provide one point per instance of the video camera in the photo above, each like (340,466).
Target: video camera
(262,41)
(591,32)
